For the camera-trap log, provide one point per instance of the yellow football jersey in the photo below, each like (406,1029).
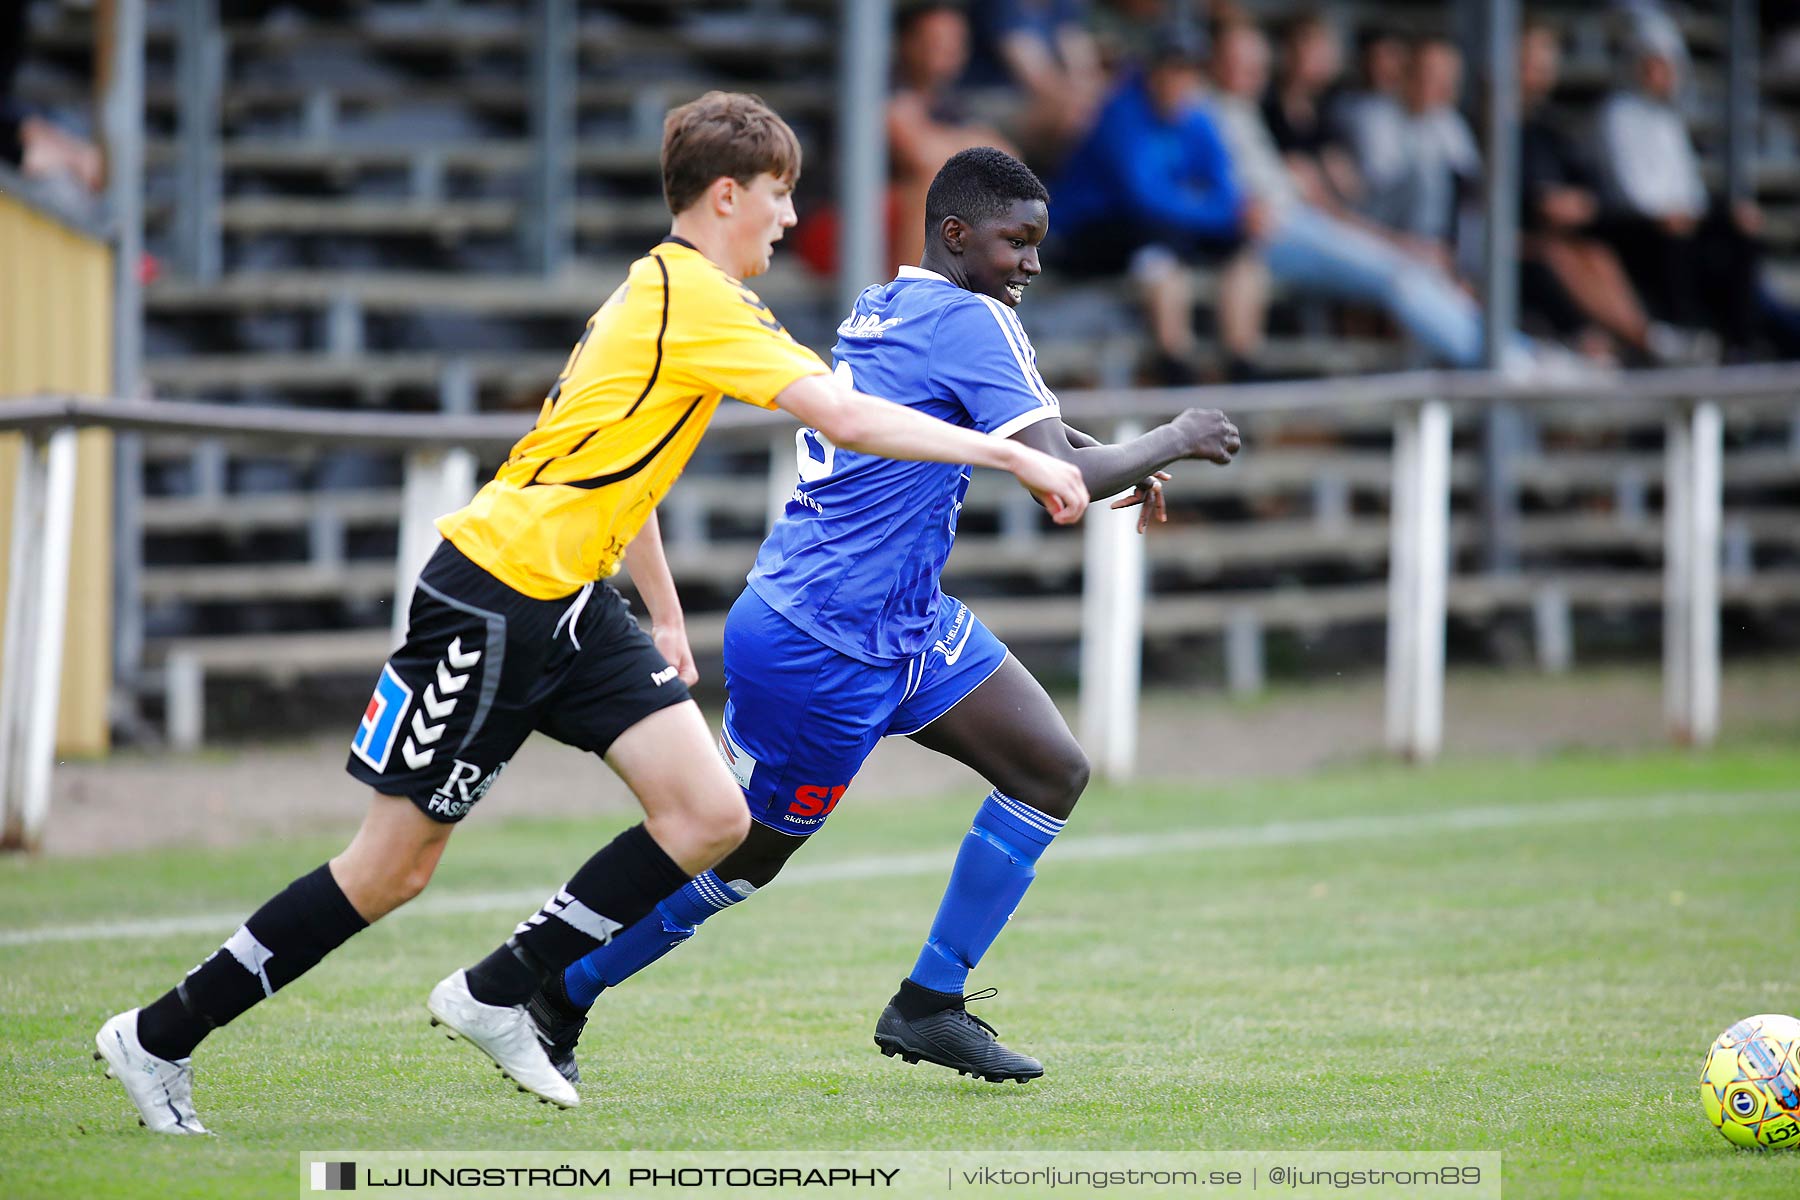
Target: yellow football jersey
(622,421)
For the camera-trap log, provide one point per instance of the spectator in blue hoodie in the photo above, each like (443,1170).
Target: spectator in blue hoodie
(1150,191)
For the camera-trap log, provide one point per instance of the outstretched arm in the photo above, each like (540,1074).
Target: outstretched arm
(1148,492)
(870,425)
(1108,469)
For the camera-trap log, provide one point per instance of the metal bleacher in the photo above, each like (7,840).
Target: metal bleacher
(371,172)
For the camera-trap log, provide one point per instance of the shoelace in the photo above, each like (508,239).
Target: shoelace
(984,994)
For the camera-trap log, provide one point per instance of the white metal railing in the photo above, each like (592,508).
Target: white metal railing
(440,452)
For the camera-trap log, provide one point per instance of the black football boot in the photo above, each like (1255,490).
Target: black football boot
(559,1028)
(919,1023)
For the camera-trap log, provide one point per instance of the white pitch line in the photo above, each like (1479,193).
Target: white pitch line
(1097,847)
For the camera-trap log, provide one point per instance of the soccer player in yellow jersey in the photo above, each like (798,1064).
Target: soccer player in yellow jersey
(512,628)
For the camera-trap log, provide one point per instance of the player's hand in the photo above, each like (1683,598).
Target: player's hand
(1209,434)
(1058,485)
(672,643)
(1149,494)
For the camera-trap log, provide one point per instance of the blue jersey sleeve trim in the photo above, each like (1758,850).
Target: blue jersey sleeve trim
(1016,341)
(968,359)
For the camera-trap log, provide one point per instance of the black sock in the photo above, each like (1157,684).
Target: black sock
(282,940)
(915,1001)
(612,891)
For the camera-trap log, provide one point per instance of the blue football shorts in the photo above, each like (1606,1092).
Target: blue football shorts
(801,718)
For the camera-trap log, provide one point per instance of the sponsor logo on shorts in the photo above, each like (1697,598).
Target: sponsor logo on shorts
(952,643)
(380,725)
(663,676)
(458,794)
(813,802)
(737,759)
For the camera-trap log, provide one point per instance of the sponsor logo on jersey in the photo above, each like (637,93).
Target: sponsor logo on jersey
(380,725)
(868,325)
(737,759)
(805,501)
(458,794)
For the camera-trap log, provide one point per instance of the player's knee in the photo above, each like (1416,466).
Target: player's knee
(1057,782)
(708,828)
(733,824)
(1076,781)
(379,875)
(1072,779)
(760,858)
(374,893)
(409,882)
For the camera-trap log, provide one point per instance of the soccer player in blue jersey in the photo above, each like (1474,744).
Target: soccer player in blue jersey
(844,636)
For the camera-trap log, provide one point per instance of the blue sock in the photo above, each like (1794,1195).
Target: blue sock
(669,924)
(996,863)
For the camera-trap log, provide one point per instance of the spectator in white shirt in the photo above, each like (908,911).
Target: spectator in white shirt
(1312,252)
(1371,119)
(1694,262)
(1569,276)
(1440,164)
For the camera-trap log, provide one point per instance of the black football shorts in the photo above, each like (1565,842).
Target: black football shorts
(483,666)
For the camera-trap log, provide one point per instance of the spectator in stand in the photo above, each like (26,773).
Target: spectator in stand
(1150,191)
(1695,262)
(1126,32)
(1312,251)
(1299,113)
(1372,121)
(927,120)
(1570,278)
(1296,113)
(71,167)
(1781,34)
(1049,53)
(1439,165)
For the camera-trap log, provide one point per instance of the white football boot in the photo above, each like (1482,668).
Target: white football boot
(162,1090)
(505,1034)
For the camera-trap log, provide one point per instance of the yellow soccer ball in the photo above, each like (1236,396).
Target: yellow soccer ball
(1750,1085)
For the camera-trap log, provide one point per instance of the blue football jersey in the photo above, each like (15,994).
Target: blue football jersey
(855,558)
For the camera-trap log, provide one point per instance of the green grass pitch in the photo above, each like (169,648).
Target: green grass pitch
(1523,958)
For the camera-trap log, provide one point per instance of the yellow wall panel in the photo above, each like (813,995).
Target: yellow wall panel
(56,336)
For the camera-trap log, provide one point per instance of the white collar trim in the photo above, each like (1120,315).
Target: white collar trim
(919,273)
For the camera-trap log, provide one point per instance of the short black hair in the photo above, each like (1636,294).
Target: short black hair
(978,185)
